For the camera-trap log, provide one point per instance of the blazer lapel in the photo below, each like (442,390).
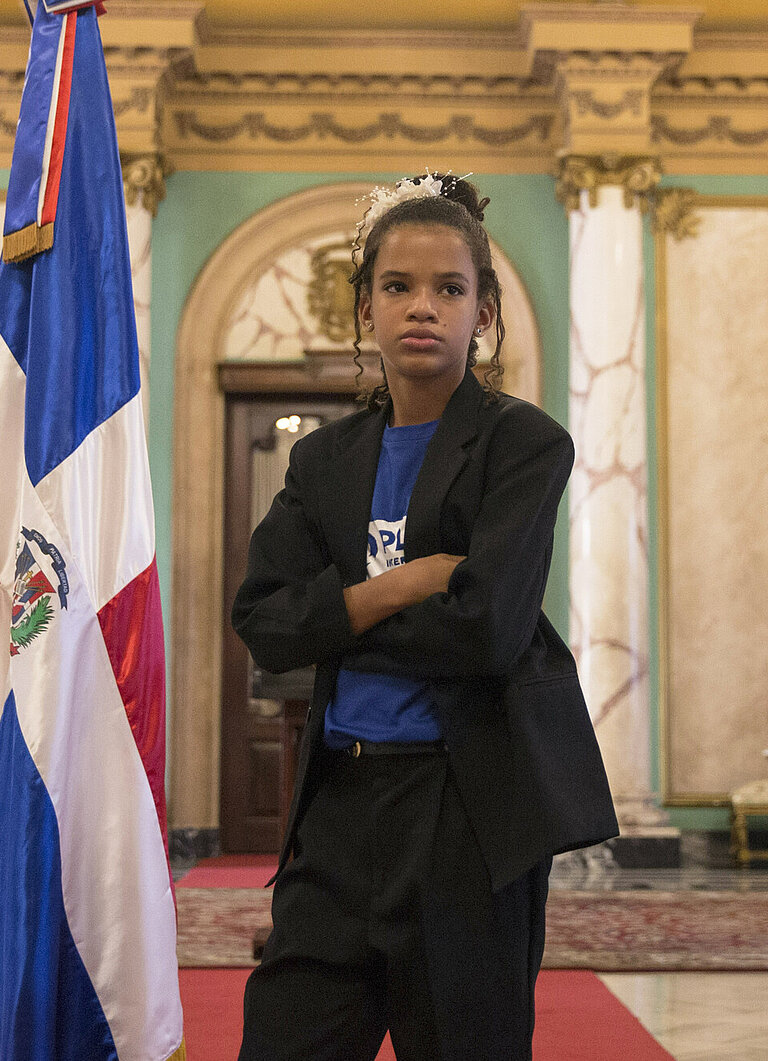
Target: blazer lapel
(446,455)
(346,503)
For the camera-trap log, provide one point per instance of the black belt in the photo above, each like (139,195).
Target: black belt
(369,747)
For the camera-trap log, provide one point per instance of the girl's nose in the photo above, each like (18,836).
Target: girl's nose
(422,307)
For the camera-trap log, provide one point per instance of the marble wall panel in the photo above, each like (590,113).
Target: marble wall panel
(714,502)
(272,321)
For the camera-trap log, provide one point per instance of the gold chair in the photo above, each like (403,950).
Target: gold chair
(747,801)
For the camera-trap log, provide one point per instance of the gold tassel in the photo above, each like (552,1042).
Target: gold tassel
(180,1054)
(27,241)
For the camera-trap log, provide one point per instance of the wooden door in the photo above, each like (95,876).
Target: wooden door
(262,714)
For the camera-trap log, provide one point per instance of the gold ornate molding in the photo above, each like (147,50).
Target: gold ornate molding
(144,23)
(594,79)
(327,85)
(674,210)
(638,177)
(330,297)
(323,125)
(144,178)
(137,98)
(718,127)
(606,102)
(586,103)
(7,126)
(142,38)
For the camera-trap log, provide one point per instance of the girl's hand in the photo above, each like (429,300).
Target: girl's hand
(372,601)
(430,574)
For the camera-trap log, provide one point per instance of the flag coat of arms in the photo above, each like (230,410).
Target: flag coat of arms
(87,920)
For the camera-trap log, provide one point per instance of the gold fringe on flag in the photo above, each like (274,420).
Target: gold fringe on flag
(27,241)
(180,1054)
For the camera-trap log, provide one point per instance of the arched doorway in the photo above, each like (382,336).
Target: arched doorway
(218,363)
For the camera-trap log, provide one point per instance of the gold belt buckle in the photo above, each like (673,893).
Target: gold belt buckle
(356,749)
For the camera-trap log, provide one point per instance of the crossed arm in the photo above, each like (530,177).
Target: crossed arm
(438,615)
(369,603)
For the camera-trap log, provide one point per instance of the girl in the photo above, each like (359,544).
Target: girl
(448,753)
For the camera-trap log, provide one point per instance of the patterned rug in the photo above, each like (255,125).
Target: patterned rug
(605,931)
(657,931)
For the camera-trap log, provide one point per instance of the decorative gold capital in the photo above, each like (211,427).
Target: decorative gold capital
(674,211)
(145,178)
(671,209)
(638,177)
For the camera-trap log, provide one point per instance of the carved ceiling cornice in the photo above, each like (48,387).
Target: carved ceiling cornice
(567,80)
(142,39)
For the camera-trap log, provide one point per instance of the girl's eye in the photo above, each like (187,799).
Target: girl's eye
(453,289)
(395,286)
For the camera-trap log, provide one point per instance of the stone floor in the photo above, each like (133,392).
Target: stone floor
(699,1016)
(709,1016)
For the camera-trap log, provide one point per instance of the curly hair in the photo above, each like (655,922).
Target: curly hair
(457,207)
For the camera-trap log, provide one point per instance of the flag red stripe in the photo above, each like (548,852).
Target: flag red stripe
(60,123)
(132,626)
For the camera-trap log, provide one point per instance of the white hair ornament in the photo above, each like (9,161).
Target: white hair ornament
(384,198)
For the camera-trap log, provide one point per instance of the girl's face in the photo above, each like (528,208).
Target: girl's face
(424,304)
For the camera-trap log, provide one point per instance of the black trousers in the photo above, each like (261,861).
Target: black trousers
(385,919)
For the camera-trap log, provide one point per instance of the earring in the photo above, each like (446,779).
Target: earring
(479,331)
(369,326)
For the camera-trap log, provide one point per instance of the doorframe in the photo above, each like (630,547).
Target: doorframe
(198,488)
(242,386)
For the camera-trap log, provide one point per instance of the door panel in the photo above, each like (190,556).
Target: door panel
(262,713)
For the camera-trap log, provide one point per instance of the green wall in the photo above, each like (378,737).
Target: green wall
(529,224)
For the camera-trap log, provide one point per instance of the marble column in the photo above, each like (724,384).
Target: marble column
(608,491)
(144,189)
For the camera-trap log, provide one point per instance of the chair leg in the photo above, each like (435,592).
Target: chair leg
(740,838)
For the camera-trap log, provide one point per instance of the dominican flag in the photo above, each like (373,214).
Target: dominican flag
(87,921)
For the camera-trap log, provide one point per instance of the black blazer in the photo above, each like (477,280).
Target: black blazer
(520,741)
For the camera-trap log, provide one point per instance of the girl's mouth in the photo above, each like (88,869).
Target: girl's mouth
(419,340)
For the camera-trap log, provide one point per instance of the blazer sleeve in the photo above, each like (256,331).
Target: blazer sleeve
(488,616)
(290,609)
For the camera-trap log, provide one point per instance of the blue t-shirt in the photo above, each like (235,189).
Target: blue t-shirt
(381,707)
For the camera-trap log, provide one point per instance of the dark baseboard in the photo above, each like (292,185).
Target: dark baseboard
(655,849)
(662,849)
(713,848)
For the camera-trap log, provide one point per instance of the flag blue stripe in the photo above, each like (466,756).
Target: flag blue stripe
(34,927)
(80,354)
(15,290)
(29,146)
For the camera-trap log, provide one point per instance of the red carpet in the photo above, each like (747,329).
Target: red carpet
(577,1019)
(230,871)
